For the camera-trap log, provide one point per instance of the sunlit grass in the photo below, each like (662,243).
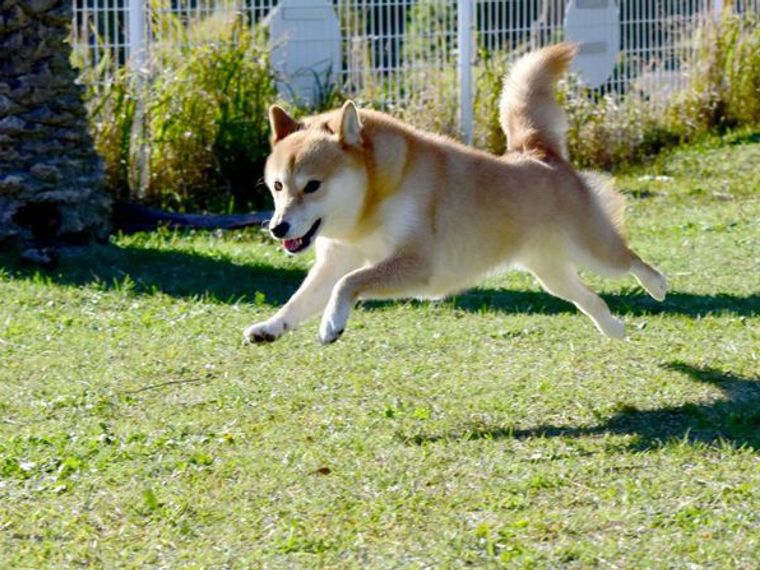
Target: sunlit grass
(495,428)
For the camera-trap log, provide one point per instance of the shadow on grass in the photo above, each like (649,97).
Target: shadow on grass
(735,419)
(629,302)
(176,273)
(189,274)
(744,138)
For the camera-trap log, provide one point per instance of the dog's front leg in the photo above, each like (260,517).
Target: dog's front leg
(392,277)
(333,262)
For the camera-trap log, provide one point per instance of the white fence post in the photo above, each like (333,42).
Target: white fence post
(464,41)
(717,8)
(137,36)
(138,52)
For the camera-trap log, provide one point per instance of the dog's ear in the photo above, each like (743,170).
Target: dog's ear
(282,124)
(350,126)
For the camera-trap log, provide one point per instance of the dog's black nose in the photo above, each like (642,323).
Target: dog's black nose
(280,230)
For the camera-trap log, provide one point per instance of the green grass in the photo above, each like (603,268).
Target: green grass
(494,429)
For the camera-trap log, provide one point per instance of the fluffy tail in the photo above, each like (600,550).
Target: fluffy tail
(529,113)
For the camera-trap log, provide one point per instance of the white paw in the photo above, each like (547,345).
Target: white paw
(614,328)
(658,288)
(266,331)
(333,322)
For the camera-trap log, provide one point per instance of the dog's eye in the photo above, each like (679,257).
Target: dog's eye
(312,186)
(277,185)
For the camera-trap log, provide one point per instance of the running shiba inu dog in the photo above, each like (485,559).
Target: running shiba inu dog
(395,212)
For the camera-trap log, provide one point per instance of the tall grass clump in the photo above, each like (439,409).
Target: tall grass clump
(723,92)
(207,116)
(111,103)
(199,137)
(612,131)
(609,131)
(724,88)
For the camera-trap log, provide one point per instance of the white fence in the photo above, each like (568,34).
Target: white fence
(395,54)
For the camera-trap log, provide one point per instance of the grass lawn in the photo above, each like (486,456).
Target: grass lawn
(495,428)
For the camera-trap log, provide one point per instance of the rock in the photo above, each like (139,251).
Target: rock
(7,106)
(12,184)
(69,135)
(11,42)
(58,16)
(45,256)
(11,125)
(40,6)
(42,114)
(50,177)
(45,172)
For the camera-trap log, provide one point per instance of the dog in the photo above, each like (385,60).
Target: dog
(397,212)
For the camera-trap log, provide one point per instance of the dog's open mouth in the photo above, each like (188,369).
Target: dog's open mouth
(299,244)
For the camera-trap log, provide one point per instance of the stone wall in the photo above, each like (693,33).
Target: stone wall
(50,178)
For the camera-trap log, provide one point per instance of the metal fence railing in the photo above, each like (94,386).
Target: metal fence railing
(395,52)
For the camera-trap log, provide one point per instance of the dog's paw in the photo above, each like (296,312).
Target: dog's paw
(267,331)
(328,334)
(333,324)
(614,328)
(658,287)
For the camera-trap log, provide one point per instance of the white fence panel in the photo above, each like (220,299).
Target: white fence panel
(411,56)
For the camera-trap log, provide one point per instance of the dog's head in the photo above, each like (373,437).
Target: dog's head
(316,175)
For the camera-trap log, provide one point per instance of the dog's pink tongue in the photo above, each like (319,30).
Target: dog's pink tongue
(290,244)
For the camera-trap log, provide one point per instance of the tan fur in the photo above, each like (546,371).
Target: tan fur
(404,213)
(529,113)
(610,200)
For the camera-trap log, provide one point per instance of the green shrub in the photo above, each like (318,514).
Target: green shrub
(615,131)
(111,106)
(724,91)
(201,136)
(206,116)
(489,74)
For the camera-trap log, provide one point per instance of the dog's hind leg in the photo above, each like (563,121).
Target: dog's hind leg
(652,280)
(563,281)
(606,252)
(613,258)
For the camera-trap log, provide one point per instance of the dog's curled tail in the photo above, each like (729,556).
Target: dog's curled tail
(528,110)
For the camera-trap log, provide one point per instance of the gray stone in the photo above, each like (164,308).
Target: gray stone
(41,114)
(45,172)
(58,16)
(70,135)
(45,256)
(50,177)
(11,125)
(39,6)
(12,184)
(7,106)
(13,156)
(64,196)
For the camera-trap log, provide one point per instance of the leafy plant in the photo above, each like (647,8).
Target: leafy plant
(200,137)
